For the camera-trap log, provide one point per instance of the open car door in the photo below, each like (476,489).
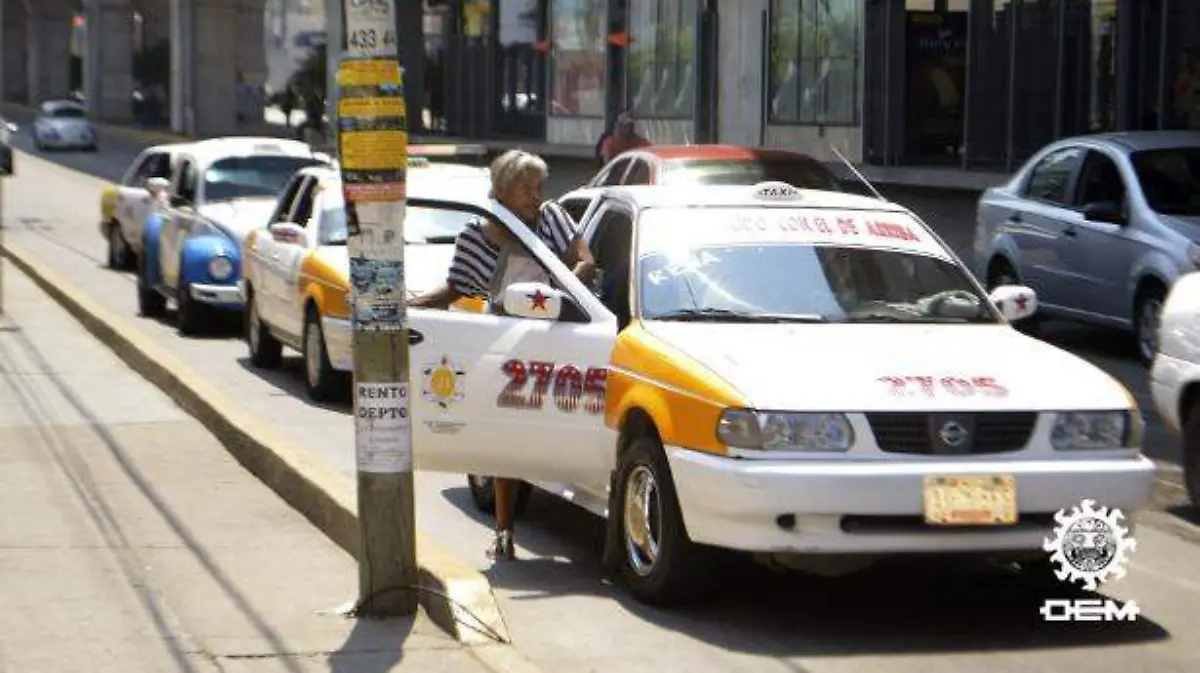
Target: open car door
(520,395)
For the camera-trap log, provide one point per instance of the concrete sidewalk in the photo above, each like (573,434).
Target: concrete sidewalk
(132,541)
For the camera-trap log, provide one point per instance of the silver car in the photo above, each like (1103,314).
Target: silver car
(63,124)
(1100,226)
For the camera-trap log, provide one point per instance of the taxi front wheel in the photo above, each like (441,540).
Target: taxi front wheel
(660,565)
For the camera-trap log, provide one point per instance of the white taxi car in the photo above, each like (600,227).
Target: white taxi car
(124,206)
(1175,374)
(296,282)
(801,375)
(220,188)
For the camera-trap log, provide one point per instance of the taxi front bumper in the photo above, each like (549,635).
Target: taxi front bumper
(876,507)
(219,296)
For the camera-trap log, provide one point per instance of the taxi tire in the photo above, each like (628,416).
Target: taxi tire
(330,382)
(483,495)
(151,304)
(1191,454)
(120,254)
(269,354)
(189,315)
(681,569)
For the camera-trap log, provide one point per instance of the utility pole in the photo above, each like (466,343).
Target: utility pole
(373,155)
(6,170)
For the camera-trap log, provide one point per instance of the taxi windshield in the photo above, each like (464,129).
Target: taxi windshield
(240,177)
(769,275)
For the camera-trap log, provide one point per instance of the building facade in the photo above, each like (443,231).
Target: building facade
(963,83)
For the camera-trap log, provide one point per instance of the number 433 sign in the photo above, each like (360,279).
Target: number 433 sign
(370,28)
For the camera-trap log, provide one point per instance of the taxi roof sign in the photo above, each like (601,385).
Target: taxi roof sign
(776,190)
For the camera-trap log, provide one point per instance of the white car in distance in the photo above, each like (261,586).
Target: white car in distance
(63,124)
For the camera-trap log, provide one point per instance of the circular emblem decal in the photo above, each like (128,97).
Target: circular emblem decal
(953,433)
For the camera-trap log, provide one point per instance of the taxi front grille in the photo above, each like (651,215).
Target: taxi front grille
(922,433)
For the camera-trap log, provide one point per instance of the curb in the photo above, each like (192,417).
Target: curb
(456,596)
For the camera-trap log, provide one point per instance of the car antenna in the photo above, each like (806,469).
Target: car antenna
(856,173)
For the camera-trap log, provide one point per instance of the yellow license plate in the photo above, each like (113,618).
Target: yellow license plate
(970,501)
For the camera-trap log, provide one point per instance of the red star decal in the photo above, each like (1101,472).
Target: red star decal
(1021,301)
(538,299)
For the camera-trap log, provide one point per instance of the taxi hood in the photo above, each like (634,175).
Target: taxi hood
(237,217)
(425,265)
(857,367)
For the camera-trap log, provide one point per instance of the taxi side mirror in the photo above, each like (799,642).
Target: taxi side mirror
(1016,302)
(157,186)
(533,300)
(287,232)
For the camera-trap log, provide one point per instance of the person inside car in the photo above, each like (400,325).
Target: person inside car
(487,259)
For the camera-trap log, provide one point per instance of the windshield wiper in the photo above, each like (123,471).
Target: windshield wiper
(893,318)
(440,240)
(729,315)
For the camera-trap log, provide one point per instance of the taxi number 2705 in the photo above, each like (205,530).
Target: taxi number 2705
(572,387)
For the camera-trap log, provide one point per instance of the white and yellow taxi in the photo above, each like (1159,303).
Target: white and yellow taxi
(296,282)
(797,374)
(1175,374)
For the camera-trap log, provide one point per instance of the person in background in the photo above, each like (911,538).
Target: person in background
(486,259)
(624,137)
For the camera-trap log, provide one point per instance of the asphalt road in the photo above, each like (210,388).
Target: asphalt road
(565,616)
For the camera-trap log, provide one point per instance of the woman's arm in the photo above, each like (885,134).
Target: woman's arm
(440,298)
(585,265)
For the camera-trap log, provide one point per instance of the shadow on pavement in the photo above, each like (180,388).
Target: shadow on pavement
(289,379)
(373,646)
(1187,513)
(911,605)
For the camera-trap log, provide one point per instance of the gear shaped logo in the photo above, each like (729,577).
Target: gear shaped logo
(1089,544)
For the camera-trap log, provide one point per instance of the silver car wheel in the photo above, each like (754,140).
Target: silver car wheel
(643,520)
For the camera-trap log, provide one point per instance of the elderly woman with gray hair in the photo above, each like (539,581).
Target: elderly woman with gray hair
(487,259)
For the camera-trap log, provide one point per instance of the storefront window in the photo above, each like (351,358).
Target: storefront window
(662,55)
(814,62)
(579,61)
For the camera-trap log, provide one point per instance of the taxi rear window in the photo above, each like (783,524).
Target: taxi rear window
(797,171)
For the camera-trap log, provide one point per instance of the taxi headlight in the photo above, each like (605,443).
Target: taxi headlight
(1088,430)
(785,431)
(220,268)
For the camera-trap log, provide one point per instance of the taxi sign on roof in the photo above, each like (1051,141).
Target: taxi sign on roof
(663,229)
(776,191)
(267,148)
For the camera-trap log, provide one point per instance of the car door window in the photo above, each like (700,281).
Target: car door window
(639,173)
(616,173)
(303,208)
(188,178)
(1100,181)
(137,175)
(445,208)
(287,199)
(609,243)
(1050,180)
(576,208)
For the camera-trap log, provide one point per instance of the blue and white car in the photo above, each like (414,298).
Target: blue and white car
(191,241)
(63,124)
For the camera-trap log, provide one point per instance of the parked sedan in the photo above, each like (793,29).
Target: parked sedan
(714,165)
(63,124)
(191,245)
(297,282)
(1100,226)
